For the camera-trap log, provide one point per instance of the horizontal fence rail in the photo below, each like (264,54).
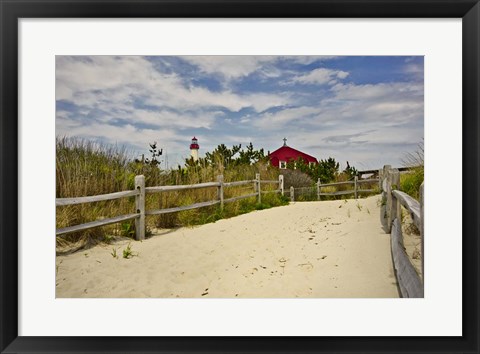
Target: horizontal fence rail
(182,208)
(375,172)
(409,281)
(95,198)
(234,199)
(371,180)
(411,205)
(356,182)
(159,189)
(338,193)
(97,223)
(337,184)
(239,183)
(318,193)
(140,191)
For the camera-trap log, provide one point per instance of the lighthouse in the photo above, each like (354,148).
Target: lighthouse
(194,149)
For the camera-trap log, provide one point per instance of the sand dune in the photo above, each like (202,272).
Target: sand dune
(326,249)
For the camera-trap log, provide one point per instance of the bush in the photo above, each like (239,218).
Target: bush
(296,178)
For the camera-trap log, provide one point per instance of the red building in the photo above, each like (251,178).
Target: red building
(280,157)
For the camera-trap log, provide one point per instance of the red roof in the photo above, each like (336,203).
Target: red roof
(194,144)
(286,153)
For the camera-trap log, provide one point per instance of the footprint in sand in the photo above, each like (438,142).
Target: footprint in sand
(306,267)
(250,272)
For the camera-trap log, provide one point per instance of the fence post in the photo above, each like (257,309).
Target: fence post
(395,210)
(422,233)
(386,168)
(319,183)
(257,177)
(388,191)
(280,183)
(355,186)
(140,206)
(386,199)
(220,190)
(292,194)
(396,186)
(380,179)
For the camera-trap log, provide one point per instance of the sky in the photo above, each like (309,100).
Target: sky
(368,110)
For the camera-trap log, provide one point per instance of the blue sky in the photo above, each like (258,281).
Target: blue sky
(365,110)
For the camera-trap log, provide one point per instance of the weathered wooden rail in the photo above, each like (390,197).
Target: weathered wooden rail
(137,193)
(140,191)
(356,183)
(410,283)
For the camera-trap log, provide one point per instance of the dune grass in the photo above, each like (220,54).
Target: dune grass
(85,168)
(410,182)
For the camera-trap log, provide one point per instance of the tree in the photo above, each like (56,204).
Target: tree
(350,171)
(250,155)
(150,167)
(301,165)
(327,170)
(224,157)
(153,161)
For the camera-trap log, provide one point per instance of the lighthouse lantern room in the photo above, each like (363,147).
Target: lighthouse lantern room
(194,149)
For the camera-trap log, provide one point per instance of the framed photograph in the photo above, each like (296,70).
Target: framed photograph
(294,176)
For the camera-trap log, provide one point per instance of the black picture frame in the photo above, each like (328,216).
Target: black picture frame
(12,11)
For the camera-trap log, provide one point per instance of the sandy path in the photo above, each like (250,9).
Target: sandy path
(306,249)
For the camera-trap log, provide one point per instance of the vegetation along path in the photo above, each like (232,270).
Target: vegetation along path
(306,249)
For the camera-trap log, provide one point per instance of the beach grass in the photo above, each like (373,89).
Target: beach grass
(85,168)
(410,182)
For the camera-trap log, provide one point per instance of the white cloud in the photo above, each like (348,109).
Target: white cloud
(233,66)
(280,119)
(106,82)
(198,97)
(126,100)
(309,59)
(237,66)
(136,137)
(378,91)
(368,125)
(352,107)
(320,76)
(414,68)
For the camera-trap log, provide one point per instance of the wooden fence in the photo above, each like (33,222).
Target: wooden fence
(317,190)
(376,172)
(410,283)
(140,191)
